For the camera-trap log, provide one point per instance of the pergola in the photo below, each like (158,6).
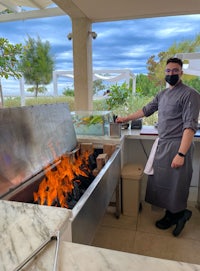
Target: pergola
(83,14)
(113,76)
(193,63)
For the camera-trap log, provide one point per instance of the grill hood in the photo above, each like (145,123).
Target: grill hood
(32,137)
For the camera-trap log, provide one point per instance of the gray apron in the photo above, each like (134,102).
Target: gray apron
(169,187)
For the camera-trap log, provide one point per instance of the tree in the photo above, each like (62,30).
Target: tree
(98,85)
(144,86)
(118,95)
(9,60)
(37,64)
(156,68)
(194,83)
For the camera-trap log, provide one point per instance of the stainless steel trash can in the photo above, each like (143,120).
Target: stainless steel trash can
(131,175)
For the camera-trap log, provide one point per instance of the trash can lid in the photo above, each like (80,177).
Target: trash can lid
(132,171)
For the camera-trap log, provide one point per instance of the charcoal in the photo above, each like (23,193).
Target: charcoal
(71,204)
(36,201)
(85,170)
(56,202)
(76,191)
(84,181)
(98,151)
(92,162)
(80,182)
(92,158)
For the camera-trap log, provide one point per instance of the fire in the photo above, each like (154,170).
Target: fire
(59,183)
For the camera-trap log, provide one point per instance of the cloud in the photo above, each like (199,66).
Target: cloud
(119,45)
(126,42)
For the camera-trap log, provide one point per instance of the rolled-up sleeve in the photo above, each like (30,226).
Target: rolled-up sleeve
(151,107)
(191,111)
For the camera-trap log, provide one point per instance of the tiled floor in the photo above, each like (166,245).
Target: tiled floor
(142,237)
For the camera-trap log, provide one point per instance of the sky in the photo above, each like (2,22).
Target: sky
(119,45)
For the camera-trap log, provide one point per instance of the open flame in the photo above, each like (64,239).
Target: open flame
(58,183)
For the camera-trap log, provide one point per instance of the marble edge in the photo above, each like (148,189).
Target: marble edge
(107,259)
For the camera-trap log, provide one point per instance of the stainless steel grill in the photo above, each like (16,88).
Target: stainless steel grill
(31,139)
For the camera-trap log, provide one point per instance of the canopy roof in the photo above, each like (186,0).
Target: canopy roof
(97,10)
(111,10)
(192,61)
(28,9)
(17,5)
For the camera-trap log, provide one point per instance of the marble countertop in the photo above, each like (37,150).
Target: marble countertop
(75,257)
(24,227)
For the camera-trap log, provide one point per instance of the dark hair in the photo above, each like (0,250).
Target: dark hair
(175,60)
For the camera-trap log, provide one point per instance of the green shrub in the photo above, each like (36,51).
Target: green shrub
(12,102)
(118,95)
(68,92)
(132,103)
(15,102)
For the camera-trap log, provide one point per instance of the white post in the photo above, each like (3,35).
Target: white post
(134,84)
(55,84)
(22,92)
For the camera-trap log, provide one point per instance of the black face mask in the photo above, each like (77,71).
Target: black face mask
(172,79)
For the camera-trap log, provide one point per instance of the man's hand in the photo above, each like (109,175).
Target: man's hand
(121,119)
(178,161)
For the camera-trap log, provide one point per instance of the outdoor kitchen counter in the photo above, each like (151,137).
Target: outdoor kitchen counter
(75,257)
(135,134)
(126,133)
(136,147)
(24,227)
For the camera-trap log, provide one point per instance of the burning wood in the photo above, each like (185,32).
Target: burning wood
(66,183)
(101,160)
(63,185)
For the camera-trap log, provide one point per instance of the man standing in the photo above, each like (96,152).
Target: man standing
(178,111)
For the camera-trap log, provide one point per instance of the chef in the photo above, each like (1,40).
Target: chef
(168,183)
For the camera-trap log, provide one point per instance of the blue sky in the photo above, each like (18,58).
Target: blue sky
(119,45)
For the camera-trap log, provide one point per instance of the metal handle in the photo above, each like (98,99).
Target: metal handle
(56,253)
(73,151)
(35,252)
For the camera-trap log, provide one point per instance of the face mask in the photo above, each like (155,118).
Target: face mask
(172,79)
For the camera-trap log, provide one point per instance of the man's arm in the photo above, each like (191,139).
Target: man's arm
(186,142)
(137,115)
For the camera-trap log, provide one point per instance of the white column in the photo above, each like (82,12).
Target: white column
(55,84)
(82,54)
(134,84)
(22,92)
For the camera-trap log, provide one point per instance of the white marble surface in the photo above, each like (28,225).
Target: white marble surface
(75,257)
(24,227)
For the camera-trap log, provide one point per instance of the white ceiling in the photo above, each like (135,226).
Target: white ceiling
(109,10)
(98,10)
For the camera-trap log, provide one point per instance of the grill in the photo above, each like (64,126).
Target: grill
(33,141)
